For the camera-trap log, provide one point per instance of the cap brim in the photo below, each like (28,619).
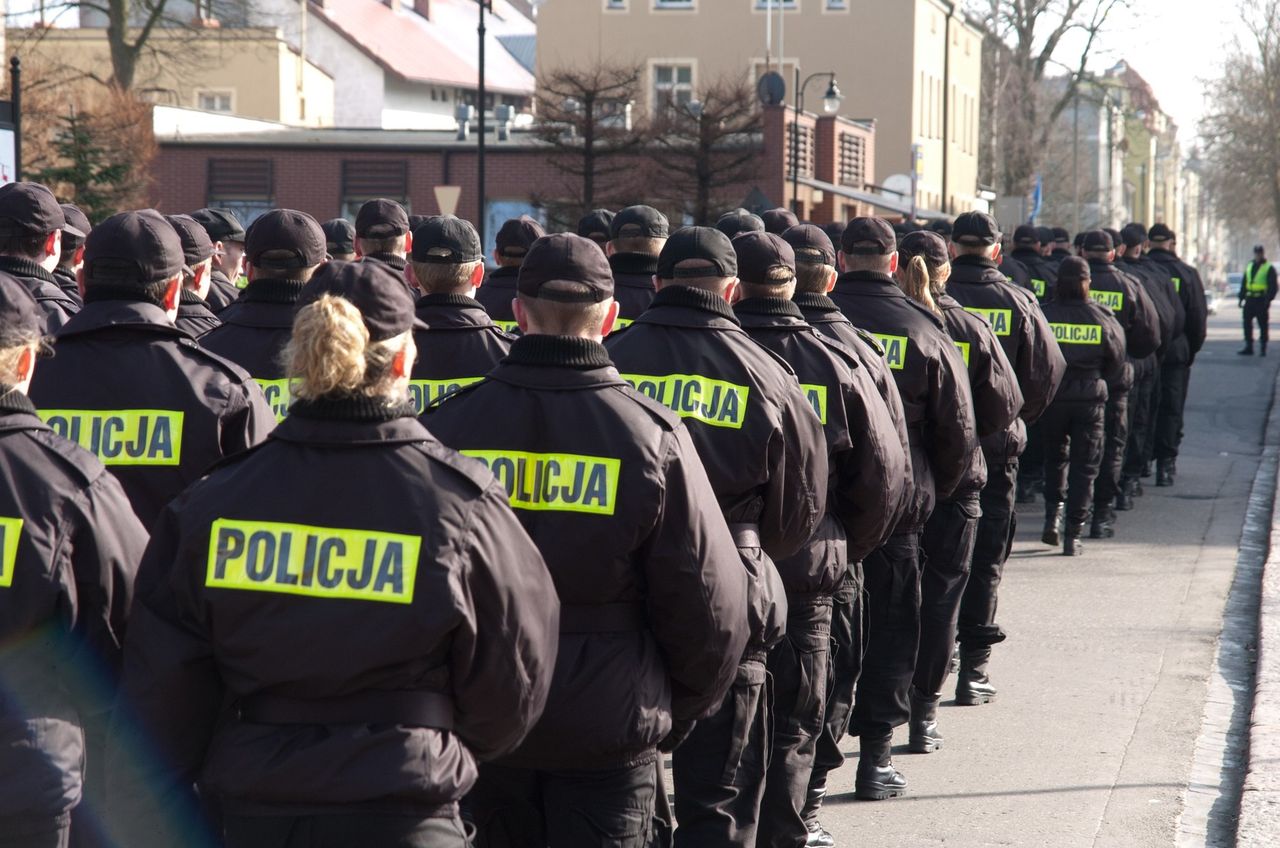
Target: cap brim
(73,231)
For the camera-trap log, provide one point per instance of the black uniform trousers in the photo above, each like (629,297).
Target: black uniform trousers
(1144,402)
(946,553)
(1074,433)
(24,832)
(892,578)
(1033,456)
(994,541)
(719,771)
(1257,309)
(343,831)
(1174,379)
(844,668)
(798,666)
(588,808)
(1115,441)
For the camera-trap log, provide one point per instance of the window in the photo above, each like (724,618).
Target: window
(366,179)
(672,86)
(673,4)
(615,5)
(837,5)
(776,4)
(245,186)
(215,101)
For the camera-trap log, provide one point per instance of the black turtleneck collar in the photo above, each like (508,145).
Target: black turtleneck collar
(14,401)
(188,297)
(504,272)
(633,263)
(103,292)
(394,260)
(975,261)
(21,267)
(693,298)
(460,301)
(352,408)
(814,300)
(775,307)
(558,352)
(273,291)
(868,277)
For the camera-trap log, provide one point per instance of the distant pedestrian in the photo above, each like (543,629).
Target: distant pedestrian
(1257,290)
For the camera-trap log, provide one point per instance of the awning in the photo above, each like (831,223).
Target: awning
(890,202)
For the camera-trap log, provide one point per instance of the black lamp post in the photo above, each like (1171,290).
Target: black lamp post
(830,103)
(485,5)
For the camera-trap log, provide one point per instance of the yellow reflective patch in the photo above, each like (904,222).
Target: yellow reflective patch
(817,396)
(620,323)
(963,347)
(317,562)
(895,350)
(714,402)
(558,482)
(423,393)
(122,436)
(1001,320)
(10,530)
(1113,300)
(1039,287)
(278,395)
(508,326)
(1177,284)
(1082,334)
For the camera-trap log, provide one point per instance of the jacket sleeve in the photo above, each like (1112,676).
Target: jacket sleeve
(1143,337)
(1272,288)
(950,436)
(795,495)
(878,371)
(248,421)
(1040,365)
(869,476)
(696,585)
(1114,361)
(1197,310)
(997,398)
(170,699)
(504,652)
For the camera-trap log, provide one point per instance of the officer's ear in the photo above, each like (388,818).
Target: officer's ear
(997,253)
(831,279)
(249,270)
(610,318)
(733,291)
(412,276)
(53,243)
(197,276)
(400,364)
(951,250)
(79,256)
(893,262)
(80,281)
(657,283)
(608,251)
(522,318)
(477,275)
(408,243)
(840,261)
(171,294)
(26,365)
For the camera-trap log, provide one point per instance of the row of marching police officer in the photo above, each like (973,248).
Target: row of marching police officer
(336,559)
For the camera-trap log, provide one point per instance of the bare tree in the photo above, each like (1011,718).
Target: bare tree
(708,148)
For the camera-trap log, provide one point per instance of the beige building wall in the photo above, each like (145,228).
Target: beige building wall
(888,56)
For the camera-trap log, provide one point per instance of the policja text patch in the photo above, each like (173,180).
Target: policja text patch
(895,350)
(10,530)
(817,397)
(715,402)
(559,482)
(1113,300)
(278,396)
(423,393)
(1081,334)
(121,436)
(1001,320)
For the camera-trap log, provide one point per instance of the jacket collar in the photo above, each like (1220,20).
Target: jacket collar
(392,260)
(871,283)
(20,267)
(350,421)
(633,264)
(451,311)
(503,276)
(17,412)
(688,306)
(976,270)
(100,314)
(818,306)
(190,303)
(557,362)
(273,291)
(769,312)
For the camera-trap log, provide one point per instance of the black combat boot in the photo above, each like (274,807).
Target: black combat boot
(1053,518)
(1124,498)
(1166,470)
(1104,523)
(818,835)
(1073,544)
(1146,469)
(1247,351)
(953,667)
(1026,491)
(877,779)
(925,738)
(973,686)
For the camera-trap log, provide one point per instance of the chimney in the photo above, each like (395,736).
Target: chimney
(423,7)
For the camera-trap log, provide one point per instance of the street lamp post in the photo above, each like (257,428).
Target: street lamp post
(830,103)
(480,96)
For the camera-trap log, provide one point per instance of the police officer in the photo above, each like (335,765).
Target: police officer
(595,225)
(815,277)
(72,255)
(457,342)
(31,228)
(127,385)
(1074,425)
(739,220)
(1175,373)
(1257,289)
(382,234)
(935,393)
(653,615)
(867,475)
(340,239)
(951,531)
(283,248)
(360,597)
(1061,247)
(766,457)
(1028,343)
(1142,326)
(69,546)
(512,242)
(1026,250)
(194,317)
(227,234)
(778,221)
(637,236)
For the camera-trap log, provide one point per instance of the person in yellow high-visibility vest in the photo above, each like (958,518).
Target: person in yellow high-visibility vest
(1257,290)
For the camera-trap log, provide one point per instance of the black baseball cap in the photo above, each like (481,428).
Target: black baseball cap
(1097,240)
(811,245)
(739,221)
(835,230)
(706,244)
(1116,239)
(381,218)
(415,221)
(285,230)
(133,249)
(220,224)
(339,235)
(1073,268)
(1045,234)
(639,222)
(78,226)
(1061,236)
(1133,235)
(759,254)
(924,243)
(196,244)
(779,220)
(384,301)
(1259,248)
(517,235)
(1026,234)
(446,240)
(869,237)
(942,227)
(975,229)
(30,209)
(20,316)
(1161,232)
(595,225)
(566,258)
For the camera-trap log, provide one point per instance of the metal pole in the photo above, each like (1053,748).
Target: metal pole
(480,188)
(1075,163)
(15,89)
(795,146)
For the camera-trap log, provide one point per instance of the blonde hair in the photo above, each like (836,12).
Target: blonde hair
(330,353)
(16,344)
(920,284)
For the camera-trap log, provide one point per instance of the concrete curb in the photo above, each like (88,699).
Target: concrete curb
(1259,820)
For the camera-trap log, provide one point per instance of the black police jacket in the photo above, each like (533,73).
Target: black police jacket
(1159,288)
(608,484)
(253,335)
(1189,287)
(1055,257)
(495,295)
(1015,272)
(1137,315)
(759,440)
(457,345)
(1093,343)
(57,305)
(194,316)
(222,291)
(866,459)
(1042,275)
(69,547)
(153,405)
(66,280)
(343,619)
(632,284)
(932,382)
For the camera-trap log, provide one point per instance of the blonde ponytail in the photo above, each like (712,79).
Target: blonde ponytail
(917,284)
(330,353)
